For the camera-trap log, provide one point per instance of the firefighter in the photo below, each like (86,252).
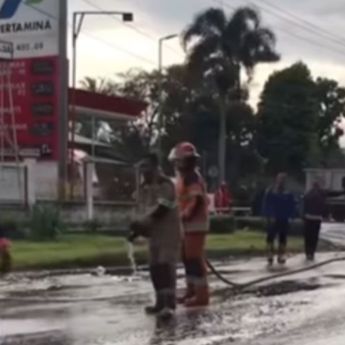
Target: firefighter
(158,220)
(5,253)
(193,204)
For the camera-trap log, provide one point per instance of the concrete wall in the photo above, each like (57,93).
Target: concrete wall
(114,215)
(38,179)
(46,180)
(39,185)
(332,178)
(13,184)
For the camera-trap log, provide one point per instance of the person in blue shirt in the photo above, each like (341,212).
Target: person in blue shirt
(279,207)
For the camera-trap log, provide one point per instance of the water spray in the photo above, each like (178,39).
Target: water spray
(131,257)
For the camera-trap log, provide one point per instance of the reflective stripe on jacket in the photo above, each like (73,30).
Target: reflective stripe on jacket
(193,202)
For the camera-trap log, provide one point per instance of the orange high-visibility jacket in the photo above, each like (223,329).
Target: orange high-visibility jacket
(193,203)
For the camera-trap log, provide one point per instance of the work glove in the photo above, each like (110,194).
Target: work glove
(137,229)
(132,236)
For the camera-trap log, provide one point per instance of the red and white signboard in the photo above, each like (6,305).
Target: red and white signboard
(32,26)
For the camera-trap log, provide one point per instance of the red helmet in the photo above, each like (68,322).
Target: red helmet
(183,150)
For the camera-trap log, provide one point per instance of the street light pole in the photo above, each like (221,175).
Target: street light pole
(160,71)
(78,19)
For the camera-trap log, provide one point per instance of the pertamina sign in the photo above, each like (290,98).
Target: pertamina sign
(32,26)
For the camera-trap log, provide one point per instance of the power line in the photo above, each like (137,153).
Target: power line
(311,41)
(301,24)
(299,37)
(304,24)
(339,38)
(96,38)
(115,47)
(132,27)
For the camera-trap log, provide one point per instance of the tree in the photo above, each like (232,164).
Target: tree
(98,85)
(331,111)
(137,138)
(172,104)
(188,115)
(241,133)
(219,48)
(287,116)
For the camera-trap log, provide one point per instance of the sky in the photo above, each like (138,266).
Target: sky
(307,30)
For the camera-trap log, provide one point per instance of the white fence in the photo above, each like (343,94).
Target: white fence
(30,181)
(331,178)
(13,184)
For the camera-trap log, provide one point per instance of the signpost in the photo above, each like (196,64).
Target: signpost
(33,28)
(39,76)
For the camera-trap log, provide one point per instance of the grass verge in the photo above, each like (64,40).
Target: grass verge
(90,250)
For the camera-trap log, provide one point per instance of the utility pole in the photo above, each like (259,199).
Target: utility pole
(78,19)
(160,101)
(63,96)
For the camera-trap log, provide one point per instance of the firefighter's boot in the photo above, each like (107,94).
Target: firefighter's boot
(157,307)
(169,306)
(189,293)
(201,298)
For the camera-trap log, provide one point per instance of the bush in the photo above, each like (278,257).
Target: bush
(258,223)
(222,225)
(93,225)
(13,227)
(228,224)
(45,223)
(255,223)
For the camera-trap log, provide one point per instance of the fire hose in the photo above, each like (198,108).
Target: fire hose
(243,286)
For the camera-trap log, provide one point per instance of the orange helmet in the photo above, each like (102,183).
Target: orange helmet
(183,150)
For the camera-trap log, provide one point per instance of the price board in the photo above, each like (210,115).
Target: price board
(32,29)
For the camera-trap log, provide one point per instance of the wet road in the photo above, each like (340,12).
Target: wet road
(308,309)
(334,233)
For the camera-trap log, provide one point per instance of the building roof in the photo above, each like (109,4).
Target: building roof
(104,107)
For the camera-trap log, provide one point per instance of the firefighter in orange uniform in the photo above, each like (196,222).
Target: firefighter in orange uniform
(193,204)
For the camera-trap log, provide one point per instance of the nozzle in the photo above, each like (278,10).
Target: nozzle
(131,237)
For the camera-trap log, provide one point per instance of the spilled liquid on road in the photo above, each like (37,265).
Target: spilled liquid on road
(87,309)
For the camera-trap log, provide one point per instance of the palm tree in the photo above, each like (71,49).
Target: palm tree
(218,48)
(98,85)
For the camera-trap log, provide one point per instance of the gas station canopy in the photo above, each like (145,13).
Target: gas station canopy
(104,107)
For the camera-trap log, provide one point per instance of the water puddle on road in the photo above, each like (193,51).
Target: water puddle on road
(108,310)
(282,288)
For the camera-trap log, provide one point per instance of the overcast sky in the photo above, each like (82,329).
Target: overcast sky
(107,46)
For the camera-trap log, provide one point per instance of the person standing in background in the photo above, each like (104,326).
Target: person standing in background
(193,203)
(223,199)
(279,207)
(314,211)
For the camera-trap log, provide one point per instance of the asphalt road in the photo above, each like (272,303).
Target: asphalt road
(307,308)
